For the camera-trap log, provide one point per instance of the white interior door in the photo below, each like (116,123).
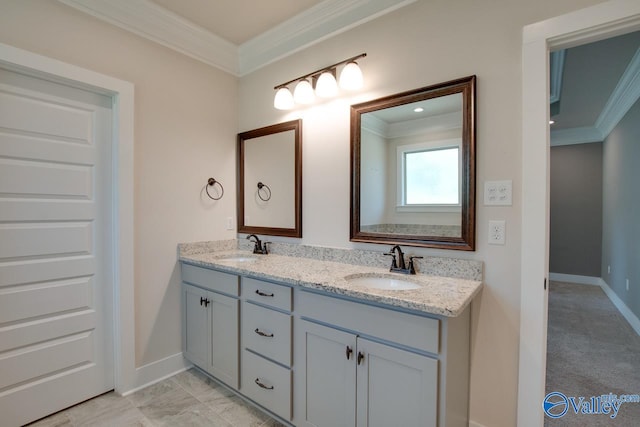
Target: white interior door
(56,267)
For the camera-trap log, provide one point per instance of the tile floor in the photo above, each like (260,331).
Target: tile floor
(187,399)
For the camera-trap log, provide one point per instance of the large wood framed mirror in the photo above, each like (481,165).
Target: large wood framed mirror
(269,199)
(413,167)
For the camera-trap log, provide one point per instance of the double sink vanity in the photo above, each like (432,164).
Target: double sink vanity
(334,337)
(318,342)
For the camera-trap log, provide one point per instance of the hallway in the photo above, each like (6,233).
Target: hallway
(591,351)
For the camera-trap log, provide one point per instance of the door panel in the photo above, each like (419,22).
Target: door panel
(56,290)
(396,387)
(196,334)
(224,338)
(329,376)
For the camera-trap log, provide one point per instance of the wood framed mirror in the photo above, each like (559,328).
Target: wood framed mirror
(269,199)
(413,167)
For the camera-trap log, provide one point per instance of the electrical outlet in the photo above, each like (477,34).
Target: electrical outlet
(498,193)
(627,284)
(497,232)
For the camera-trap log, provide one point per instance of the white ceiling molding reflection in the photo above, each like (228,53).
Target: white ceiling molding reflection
(623,97)
(425,125)
(162,26)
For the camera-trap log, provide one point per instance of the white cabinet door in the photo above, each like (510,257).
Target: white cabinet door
(196,336)
(224,360)
(395,387)
(210,332)
(329,374)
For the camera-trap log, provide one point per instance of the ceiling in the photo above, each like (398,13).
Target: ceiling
(237,20)
(600,81)
(237,36)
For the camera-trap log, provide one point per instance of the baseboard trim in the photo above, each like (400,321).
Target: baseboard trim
(621,306)
(475,424)
(573,278)
(157,371)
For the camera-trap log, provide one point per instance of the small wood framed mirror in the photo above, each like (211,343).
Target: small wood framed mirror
(270,180)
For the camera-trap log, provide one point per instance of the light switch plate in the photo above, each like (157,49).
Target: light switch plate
(498,193)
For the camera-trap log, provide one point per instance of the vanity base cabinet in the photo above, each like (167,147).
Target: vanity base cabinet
(325,389)
(352,381)
(362,365)
(210,332)
(395,387)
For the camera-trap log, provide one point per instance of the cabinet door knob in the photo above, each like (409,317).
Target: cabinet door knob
(206,302)
(267,387)
(348,351)
(262,294)
(202,300)
(360,357)
(263,334)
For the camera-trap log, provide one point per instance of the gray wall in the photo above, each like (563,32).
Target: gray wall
(621,209)
(576,210)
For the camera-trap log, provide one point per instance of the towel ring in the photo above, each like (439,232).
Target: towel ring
(262,186)
(210,183)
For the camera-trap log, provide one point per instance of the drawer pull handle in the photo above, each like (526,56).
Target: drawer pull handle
(360,357)
(266,387)
(263,334)
(348,352)
(262,294)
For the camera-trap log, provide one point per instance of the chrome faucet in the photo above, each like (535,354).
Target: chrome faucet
(259,247)
(397,263)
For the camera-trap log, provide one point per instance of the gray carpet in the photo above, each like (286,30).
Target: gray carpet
(591,351)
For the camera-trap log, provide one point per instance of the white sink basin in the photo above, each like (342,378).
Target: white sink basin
(238,258)
(385,283)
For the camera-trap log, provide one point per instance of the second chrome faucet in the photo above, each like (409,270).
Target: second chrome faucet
(398,264)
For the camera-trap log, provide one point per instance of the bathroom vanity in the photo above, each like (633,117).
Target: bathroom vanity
(310,341)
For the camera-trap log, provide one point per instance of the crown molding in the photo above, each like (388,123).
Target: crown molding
(556,67)
(582,135)
(324,20)
(155,23)
(622,98)
(426,125)
(162,26)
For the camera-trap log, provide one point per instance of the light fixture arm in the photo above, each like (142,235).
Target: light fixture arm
(321,70)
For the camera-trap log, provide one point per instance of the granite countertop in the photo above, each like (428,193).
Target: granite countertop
(444,296)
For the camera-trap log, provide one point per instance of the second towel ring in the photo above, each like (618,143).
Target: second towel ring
(210,183)
(263,186)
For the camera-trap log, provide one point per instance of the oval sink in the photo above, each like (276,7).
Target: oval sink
(385,283)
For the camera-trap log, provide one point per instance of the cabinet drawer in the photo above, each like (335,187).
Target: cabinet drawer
(419,332)
(267,384)
(211,279)
(267,293)
(267,332)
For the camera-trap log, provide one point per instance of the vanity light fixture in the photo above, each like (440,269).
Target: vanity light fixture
(323,80)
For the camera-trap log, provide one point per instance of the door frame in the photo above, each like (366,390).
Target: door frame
(122,94)
(594,23)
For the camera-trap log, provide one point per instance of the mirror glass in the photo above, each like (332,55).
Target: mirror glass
(270,180)
(413,167)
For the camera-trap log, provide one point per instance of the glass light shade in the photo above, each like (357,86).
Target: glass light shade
(283,99)
(303,93)
(351,77)
(326,86)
